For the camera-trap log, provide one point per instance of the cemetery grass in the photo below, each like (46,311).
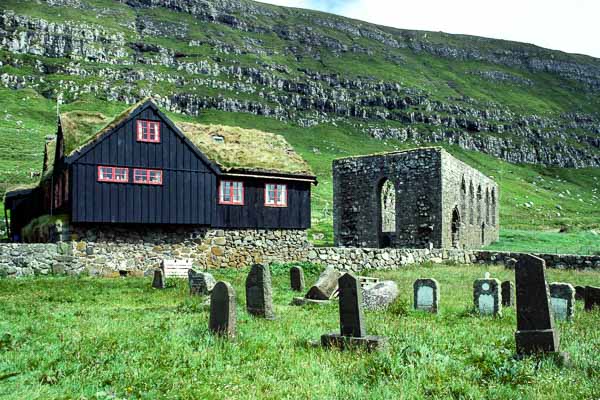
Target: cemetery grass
(92,338)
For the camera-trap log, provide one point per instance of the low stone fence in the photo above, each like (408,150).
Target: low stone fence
(104,255)
(357,259)
(561,261)
(38,259)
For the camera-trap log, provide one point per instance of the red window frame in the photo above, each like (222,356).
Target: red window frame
(231,201)
(148,125)
(146,174)
(276,190)
(113,171)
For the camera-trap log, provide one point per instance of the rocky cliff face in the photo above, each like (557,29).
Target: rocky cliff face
(294,65)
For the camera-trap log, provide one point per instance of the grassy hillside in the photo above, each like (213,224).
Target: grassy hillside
(531,197)
(328,84)
(85,338)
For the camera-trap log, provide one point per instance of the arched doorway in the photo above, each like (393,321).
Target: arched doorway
(387,213)
(455,228)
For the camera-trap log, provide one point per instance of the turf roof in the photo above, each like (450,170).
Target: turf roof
(231,148)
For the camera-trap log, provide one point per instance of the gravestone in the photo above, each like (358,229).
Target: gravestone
(579,292)
(379,295)
(201,283)
(535,322)
(426,295)
(562,298)
(158,281)
(325,286)
(508,294)
(487,296)
(592,298)
(353,332)
(259,300)
(297,278)
(222,318)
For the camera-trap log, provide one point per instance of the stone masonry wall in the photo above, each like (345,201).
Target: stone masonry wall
(357,182)
(108,258)
(108,250)
(439,201)
(476,198)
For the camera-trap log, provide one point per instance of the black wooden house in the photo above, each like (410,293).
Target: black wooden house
(141,168)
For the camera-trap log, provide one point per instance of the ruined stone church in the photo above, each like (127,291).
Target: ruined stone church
(416,198)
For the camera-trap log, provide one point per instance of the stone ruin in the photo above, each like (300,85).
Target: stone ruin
(417,198)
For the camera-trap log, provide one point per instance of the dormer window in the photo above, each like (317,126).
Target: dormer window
(148,131)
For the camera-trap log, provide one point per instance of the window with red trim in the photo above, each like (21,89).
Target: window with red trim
(231,192)
(113,174)
(148,176)
(148,131)
(275,195)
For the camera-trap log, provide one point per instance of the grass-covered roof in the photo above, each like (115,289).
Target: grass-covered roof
(231,148)
(234,148)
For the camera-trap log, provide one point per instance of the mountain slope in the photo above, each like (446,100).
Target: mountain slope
(331,85)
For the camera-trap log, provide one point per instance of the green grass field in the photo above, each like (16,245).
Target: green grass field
(90,338)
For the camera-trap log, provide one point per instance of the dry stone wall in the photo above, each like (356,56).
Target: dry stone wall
(105,255)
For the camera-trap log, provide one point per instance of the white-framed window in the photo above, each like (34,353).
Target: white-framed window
(275,195)
(113,174)
(148,176)
(148,131)
(231,192)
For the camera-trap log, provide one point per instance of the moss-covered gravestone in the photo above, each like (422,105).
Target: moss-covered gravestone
(535,322)
(158,281)
(426,295)
(222,320)
(487,296)
(353,333)
(297,278)
(259,300)
(562,298)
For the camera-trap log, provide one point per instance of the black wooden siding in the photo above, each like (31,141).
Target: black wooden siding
(254,214)
(187,195)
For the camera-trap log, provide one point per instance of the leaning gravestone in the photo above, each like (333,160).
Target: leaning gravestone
(562,298)
(201,283)
(426,295)
(487,296)
(508,294)
(259,300)
(297,278)
(535,322)
(222,318)
(592,298)
(325,286)
(353,332)
(158,281)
